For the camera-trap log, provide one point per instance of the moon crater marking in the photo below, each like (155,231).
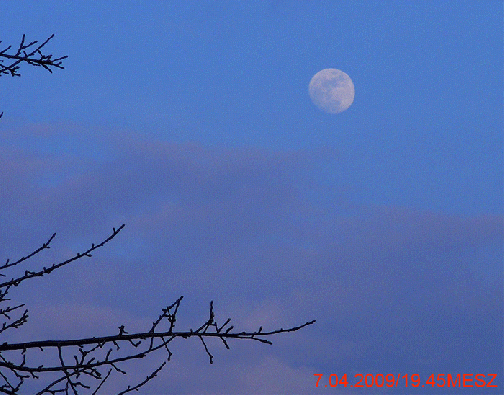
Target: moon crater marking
(332,90)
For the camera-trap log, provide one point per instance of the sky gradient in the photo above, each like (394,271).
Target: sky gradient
(191,123)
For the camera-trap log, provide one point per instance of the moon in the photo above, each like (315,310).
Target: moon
(332,90)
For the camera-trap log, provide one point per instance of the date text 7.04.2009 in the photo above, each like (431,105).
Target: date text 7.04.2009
(412,380)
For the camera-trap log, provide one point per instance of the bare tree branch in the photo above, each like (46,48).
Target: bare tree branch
(29,53)
(46,270)
(84,361)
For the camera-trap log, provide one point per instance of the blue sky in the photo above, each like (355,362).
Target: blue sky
(191,123)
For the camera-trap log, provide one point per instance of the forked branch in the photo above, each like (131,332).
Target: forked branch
(30,53)
(81,362)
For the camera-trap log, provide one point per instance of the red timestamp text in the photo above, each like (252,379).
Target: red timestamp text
(412,380)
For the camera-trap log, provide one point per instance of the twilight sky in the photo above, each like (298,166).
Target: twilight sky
(190,122)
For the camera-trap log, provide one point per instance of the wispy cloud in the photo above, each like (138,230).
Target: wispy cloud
(240,226)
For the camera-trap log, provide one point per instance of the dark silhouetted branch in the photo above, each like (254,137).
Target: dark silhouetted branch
(81,363)
(29,53)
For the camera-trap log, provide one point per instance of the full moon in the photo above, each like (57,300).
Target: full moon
(332,90)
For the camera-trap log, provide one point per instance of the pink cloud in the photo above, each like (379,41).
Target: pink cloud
(241,226)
